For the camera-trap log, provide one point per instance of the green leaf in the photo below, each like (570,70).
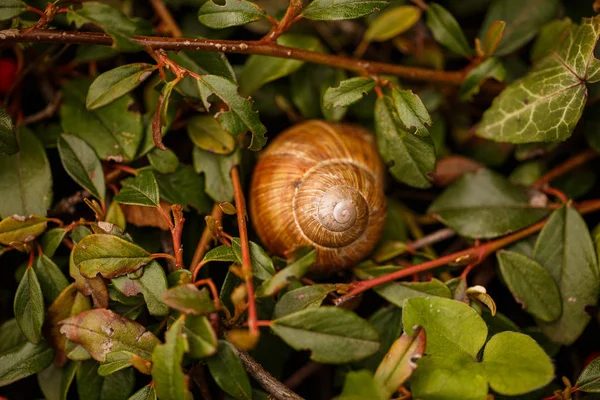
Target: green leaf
(207,134)
(410,158)
(446,30)
(360,385)
(152,285)
(515,364)
(227,370)
(302,298)
(82,164)
(523,21)
(392,22)
(397,292)
(484,204)
(564,247)
(29,306)
(411,111)
(115,83)
(216,168)
(167,374)
(241,117)
(232,13)
(56,381)
(202,63)
(399,362)
(550,37)
(25,178)
(348,92)
(111,20)
(589,379)
(115,361)
(262,265)
(335,10)
(116,386)
(17,229)
(8,140)
(387,322)
(200,335)
(531,285)
(184,187)
(141,190)
(455,375)
(490,68)
(23,361)
(51,239)
(220,253)
(52,280)
(101,331)
(450,325)
(259,70)
(113,131)
(333,335)
(547,103)
(10,336)
(108,255)
(11,8)
(188,299)
(145,393)
(297,269)
(163,161)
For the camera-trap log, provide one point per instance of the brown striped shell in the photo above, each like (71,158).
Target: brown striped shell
(320,184)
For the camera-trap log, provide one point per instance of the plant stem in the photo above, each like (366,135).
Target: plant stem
(240,206)
(237,46)
(204,242)
(165,16)
(474,254)
(567,166)
(294,7)
(432,238)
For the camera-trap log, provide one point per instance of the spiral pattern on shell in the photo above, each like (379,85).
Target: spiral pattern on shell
(320,184)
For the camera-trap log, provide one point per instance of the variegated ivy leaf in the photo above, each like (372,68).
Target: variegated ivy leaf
(547,103)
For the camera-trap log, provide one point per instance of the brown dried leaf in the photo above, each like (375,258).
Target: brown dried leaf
(146,216)
(450,168)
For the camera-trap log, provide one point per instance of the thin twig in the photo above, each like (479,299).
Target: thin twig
(240,205)
(300,375)
(565,167)
(165,16)
(47,112)
(432,238)
(204,242)
(265,379)
(237,46)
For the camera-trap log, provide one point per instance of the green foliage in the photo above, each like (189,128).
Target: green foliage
(8,141)
(11,8)
(82,164)
(446,30)
(232,13)
(341,9)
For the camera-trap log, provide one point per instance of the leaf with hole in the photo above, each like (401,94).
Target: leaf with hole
(348,92)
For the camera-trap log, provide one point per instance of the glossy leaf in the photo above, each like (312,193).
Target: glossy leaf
(25,178)
(589,379)
(188,299)
(113,131)
(259,70)
(82,164)
(392,22)
(152,285)
(523,21)
(564,247)
(115,83)
(493,205)
(169,379)
(52,280)
(410,158)
(531,285)
(547,103)
(23,361)
(141,190)
(201,337)
(207,134)
(227,370)
(442,320)
(108,255)
(302,298)
(110,19)
(51,239)
(515,364)
(296,269)
(399,362)
(17,229)
(241,117)
(490,68)
(333,335)
(232,13)
(446,30)
(348,92)
(329,10)
(8,140)
(262,265)
(29,306)
(101,331)
(397,292)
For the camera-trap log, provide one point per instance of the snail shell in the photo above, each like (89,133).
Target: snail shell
(320,184)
